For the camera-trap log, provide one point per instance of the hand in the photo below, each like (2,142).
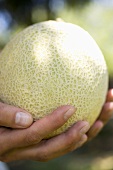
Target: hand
(14,117)
(32,146)
(104,117)
(29,143)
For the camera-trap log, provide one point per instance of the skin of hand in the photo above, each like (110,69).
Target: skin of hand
(104,117)
(24,140)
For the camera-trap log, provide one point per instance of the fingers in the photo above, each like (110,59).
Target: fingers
(104,117)
(14,117)
(107,109)
(106,112)
(45,126)
(38,130)
(95,129)
(54,147)
(62,143)
(109,97)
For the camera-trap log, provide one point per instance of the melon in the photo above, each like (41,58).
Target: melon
(50,64)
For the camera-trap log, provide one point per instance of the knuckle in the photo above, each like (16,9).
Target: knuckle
(71,138)
(57,122)
(57,118)
(33,137)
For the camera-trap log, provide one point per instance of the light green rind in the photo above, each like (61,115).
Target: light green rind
(52,64)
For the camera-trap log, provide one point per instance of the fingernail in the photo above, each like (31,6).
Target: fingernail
(69,113)
(23,119)
(85,128)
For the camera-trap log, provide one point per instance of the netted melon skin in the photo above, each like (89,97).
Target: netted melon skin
(52,64)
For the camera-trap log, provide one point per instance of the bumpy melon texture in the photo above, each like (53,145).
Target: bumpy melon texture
(52,64)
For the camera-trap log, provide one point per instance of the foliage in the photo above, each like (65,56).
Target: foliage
(21,11)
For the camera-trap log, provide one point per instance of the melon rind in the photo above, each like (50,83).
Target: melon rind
(50,64)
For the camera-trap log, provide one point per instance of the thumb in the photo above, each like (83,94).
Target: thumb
(14,117)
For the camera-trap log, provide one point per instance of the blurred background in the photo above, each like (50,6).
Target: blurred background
(95,16)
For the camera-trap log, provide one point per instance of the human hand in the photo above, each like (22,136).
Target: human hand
(104,117)
(14,117)
(29,143)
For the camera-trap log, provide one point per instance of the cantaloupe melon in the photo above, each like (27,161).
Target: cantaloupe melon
(50,64)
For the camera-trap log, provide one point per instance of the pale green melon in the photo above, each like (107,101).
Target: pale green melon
(52,64)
